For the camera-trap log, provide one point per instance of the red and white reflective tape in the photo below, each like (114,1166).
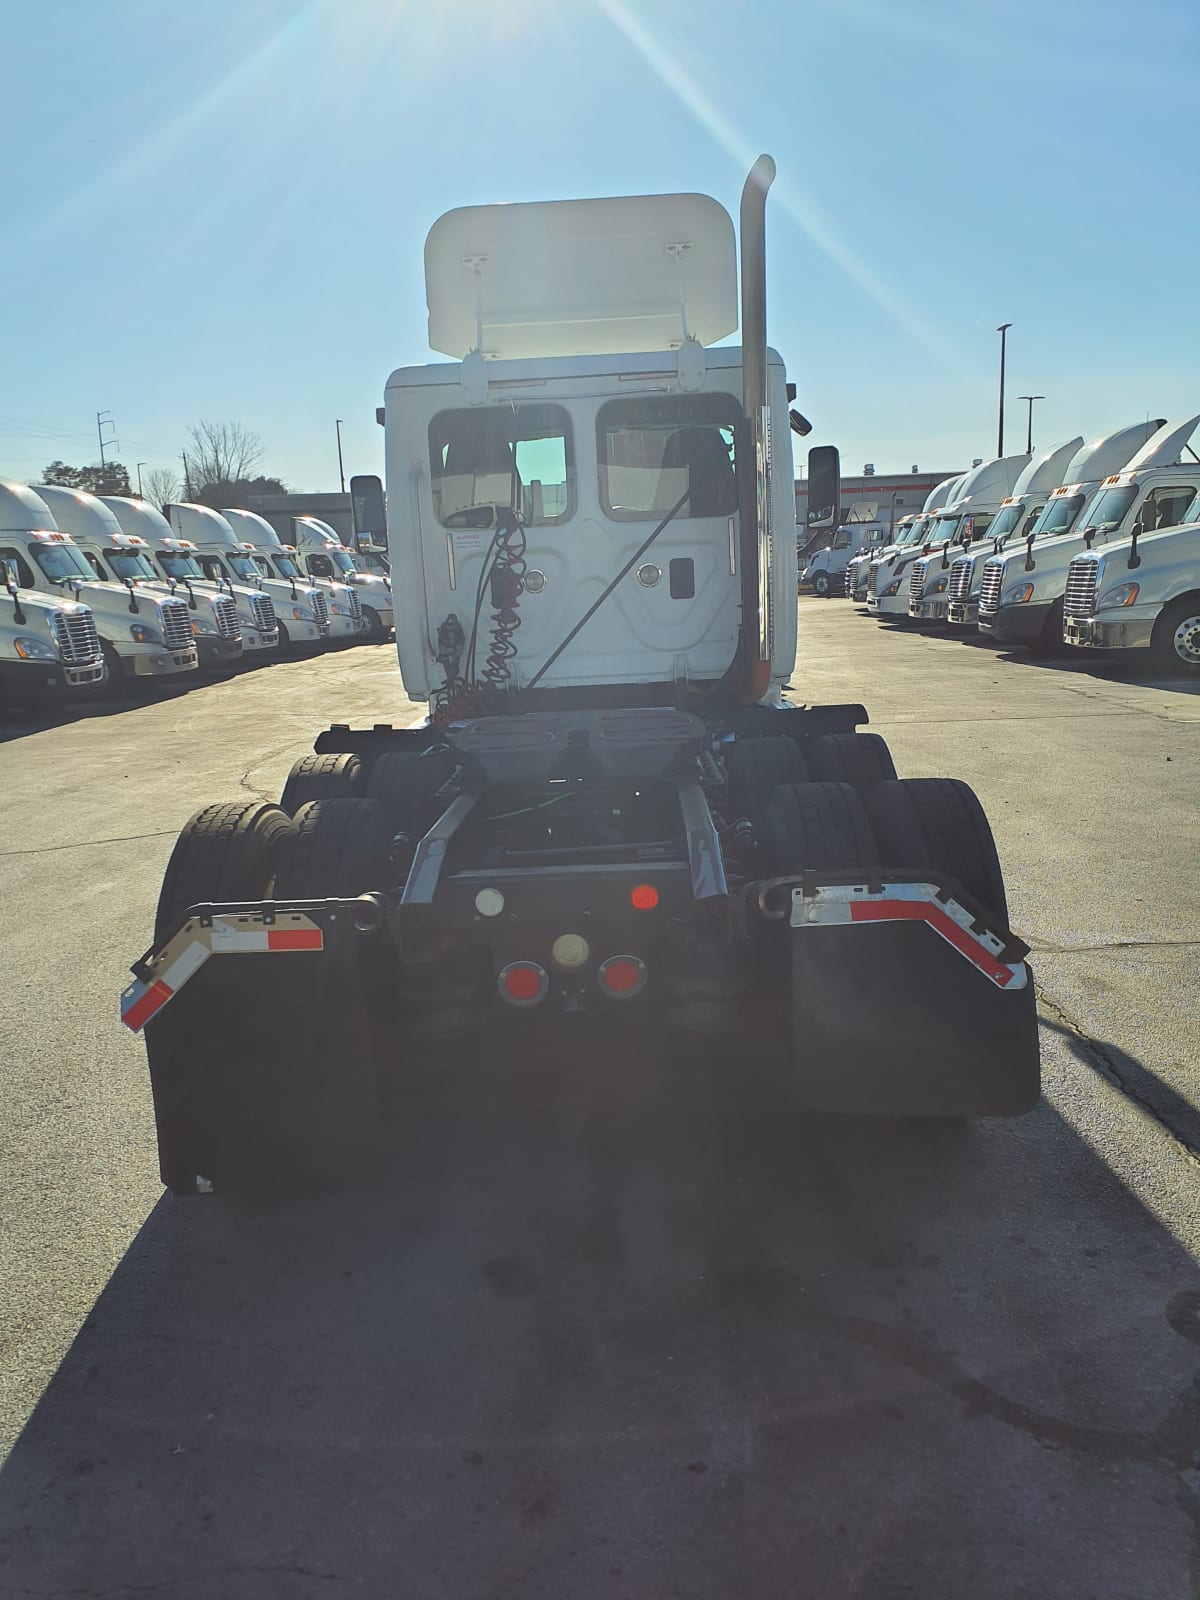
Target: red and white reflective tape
(836,905)
(239,933)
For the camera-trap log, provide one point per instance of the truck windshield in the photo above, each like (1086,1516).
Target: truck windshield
(129,564)
(943,528)
(343,563)
(252,568)
(284,565)
(1109,511)
(1007,518)
(62,562)
(179,565)
(1059,515)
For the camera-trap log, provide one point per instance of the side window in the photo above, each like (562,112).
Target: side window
(94,563)
(519,456)
(212,567)
(24,573)
(1165,506)
(320,566)
(842,539)
(654,450)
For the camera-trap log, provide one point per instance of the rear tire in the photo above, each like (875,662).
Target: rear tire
(756,767)
(813,826)
(859,759)
(225,852)
(337,777)
(404,786)
(939,824)
(336,848)
(821,585)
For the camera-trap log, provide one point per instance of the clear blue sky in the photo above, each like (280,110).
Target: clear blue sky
(218,210)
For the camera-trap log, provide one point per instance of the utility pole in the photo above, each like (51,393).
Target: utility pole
(140,465)
(1029,430)
(104,419)
(341,469)
(187,481)
(1002,330)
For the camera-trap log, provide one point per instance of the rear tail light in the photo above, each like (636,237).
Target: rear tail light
(523,983)
(621,977)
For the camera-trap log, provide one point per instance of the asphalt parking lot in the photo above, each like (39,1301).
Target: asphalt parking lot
(613,1325)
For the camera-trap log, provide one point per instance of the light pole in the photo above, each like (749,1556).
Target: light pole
(1002,330)
(104,419)
(341,469)
(1029,430)
(140,465)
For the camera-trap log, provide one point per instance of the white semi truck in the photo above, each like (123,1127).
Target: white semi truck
(301,608)
(1015,518)
(825,572)
(142,636)
(281,562)
(613,809)
(959,526)
(1020,590)
(910,530)
(323,555)
(178,562)
(49,648)
(1140,592)
(126,559)
(977,495)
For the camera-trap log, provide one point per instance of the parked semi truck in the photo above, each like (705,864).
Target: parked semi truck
(613,809)
(49,648)
(301,609)
(1141,591)
(975,500)
(322,554)
(1015,519)
(959,527)
(177,560)
(282,563)
(825,572)
(126,559)
(910,533)
(1021,590)
(141,636)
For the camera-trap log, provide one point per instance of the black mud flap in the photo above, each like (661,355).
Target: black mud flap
(892,1020)
(263,1072)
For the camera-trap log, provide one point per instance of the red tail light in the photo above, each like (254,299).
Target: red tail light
(523,983)
(621,977)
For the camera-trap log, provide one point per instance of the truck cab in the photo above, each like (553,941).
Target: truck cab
(1140,591)
(973,503)
(1015,519)
(323,555)
(177,561)
(280,562)
(49,649)
(126,558)
(858,535)
(147,635)
(299,608)
(911,531)
(1020,591)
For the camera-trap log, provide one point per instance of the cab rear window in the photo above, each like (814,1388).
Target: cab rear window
(654,450)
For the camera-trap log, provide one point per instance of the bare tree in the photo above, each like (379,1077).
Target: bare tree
(162,486)
(221,452)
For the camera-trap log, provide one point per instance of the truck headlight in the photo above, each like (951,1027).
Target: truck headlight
(204,625)
(1017,595)
(940,584)
(1123,595)
(301,615)
(893,587)
(141,634)
(34,649)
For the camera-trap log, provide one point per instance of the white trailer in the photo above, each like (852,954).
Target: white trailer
(141,636)
(615,810)
(177,560)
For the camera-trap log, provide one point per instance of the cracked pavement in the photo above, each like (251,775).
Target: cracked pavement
(616,1322)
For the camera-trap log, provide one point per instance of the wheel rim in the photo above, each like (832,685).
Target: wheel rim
(821,583)
(1186,641)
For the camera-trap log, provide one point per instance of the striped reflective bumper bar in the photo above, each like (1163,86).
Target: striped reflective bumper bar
(234,934)
(835,905)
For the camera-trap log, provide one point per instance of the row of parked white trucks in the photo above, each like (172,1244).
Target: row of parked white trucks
(104,588)
(1090,546)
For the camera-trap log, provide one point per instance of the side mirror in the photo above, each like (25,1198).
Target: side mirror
(368,507)
(10,576)
(824,486)
(798,424)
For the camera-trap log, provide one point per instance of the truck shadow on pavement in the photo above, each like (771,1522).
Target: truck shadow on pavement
(618,1322)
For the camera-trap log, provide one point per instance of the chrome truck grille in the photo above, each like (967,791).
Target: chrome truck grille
(177,625)
(263,613)
(355,605)
(989,588)
(1080,598)
(320,607)
(872,574)
(76,637)
(916,584)
(962,569)
(225,612)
